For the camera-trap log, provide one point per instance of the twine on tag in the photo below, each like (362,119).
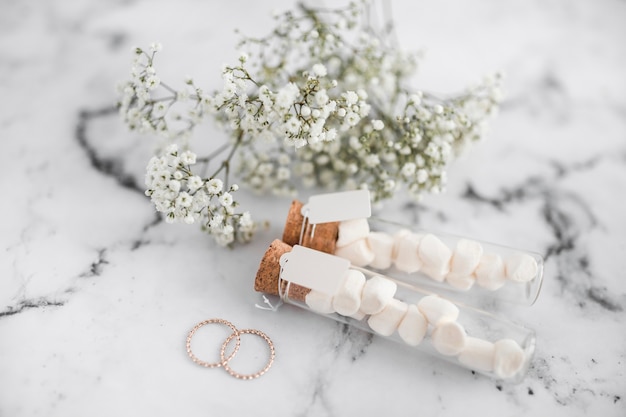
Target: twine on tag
(269,303)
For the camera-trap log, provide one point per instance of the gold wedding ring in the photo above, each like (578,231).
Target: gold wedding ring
(237,375)
(236,334)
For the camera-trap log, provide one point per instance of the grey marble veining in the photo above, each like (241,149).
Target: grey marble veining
(97,293)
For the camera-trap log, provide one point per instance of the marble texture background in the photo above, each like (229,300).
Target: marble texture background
(97,294)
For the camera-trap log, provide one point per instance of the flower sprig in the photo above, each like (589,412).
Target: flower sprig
(184,197)
(322,100)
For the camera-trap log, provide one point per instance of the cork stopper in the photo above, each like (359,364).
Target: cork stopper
(267,276)
(326,234)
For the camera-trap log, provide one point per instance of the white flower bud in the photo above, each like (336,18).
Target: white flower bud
(378,124)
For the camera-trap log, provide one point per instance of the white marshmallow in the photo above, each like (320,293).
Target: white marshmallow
(466,257)
(377,293)
(509,358)
(435,309)
(406,248)
(449,338)
(478,354)
(397,237)
(490,272)
(435,256)
(382,246)
(387,321)
(352,230)
(413,326)
(347,300)
(358,253)
(319,302)
(521,267)
(461,282)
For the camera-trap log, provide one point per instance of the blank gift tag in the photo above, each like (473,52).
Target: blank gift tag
(338,207)
(312,269)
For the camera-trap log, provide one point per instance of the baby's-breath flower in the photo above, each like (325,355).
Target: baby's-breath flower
(216,221)
(287,95)
(184,200)
(214,186)
(174,185)
(226,199)
(283,174)
(321,98)
(156,47)
(329,105)
(188,158)
(351,97)
(305,111)
(422,176)
(292,125)
(408,169)
(194,182)
(331,134)
(319,70)
(352,118)
(153,82)
(372,160)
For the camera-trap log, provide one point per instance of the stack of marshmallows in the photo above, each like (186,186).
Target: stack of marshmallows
(359,297)
(460,267)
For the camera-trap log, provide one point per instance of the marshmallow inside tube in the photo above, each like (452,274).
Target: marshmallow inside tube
(397,237)
(490,272)
(465,259)
(521,267)
(449,338)
(388,320)
(461,282)
(382,246)
(413,326)
(358,252)
(406,247)
(478,354)
(435,256)
(436,309)
(347,300)
(377,293)
(509,358)
(319,302)
(352,230)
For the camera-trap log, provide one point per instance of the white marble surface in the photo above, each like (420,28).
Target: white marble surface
(97,295)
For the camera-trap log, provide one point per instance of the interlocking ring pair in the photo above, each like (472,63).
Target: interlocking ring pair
(236,334)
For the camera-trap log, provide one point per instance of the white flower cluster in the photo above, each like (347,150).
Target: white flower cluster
(150,106)
(302,112)
(323,100)
(184,197)
(385,136)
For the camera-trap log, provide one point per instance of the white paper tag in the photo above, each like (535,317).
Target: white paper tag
(313,269)
(338,207)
